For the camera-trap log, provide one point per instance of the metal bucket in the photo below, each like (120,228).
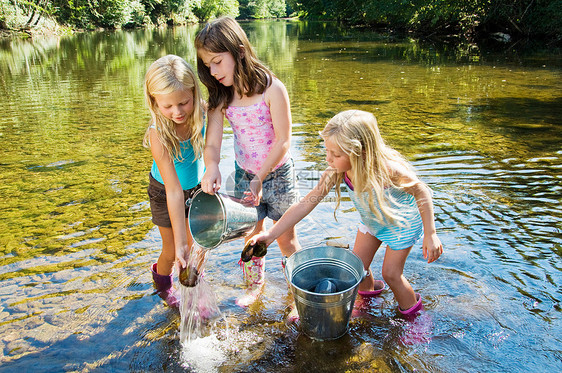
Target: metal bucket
(219,218)
(324,316)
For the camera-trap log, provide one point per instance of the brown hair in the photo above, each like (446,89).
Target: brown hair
(250,74)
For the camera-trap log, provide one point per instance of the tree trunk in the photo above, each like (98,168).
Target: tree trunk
(30,17)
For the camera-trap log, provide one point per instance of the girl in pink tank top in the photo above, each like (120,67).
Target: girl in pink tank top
(257,107)
(254,135)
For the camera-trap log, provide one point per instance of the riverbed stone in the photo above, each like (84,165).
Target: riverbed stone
(45,333)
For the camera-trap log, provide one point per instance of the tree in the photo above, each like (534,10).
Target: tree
(262,8)
(208,9)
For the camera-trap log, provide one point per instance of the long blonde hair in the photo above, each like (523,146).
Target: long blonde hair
(357,134)
(166,75)
(250,75)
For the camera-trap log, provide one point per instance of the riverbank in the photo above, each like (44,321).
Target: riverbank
(51,28)
(46,27)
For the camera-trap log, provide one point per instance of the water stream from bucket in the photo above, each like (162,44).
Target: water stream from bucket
(206,344)
(198,303)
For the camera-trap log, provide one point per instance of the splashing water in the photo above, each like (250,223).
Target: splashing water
(227,344)
(204,354)
(198,303)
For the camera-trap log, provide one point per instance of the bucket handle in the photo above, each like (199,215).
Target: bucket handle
(192,193)
(226,234)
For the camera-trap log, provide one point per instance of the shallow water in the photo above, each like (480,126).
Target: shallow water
(76,241)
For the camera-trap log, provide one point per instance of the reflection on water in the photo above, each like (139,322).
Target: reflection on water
(76,240)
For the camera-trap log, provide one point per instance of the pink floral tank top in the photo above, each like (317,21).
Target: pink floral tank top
(253,135)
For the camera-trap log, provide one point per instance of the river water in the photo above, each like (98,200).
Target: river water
(482,128)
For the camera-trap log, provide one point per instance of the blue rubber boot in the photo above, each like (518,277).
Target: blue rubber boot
(164,288)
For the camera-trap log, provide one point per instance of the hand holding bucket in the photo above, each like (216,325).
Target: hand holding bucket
(219,218)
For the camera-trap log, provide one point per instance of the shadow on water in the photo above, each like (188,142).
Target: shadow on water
(366,102)
(519,112)
(538,121)
(136,339)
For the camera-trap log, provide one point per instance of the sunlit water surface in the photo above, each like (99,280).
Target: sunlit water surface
(76,242)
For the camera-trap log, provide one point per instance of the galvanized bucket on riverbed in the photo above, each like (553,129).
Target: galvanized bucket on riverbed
(215,219)
(324,316)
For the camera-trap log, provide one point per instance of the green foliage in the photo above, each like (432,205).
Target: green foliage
(6,12)
(135,14)
(114,13)
(78,13)
(207,9)
(443,17)
(467,18)
(262,8)
(526,17)
(108,13)
(23,14)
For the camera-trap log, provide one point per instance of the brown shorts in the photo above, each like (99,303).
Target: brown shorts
(158,205)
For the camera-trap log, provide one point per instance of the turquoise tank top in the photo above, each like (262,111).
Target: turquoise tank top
(190,170)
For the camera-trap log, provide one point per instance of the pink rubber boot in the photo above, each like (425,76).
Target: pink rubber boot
(164,288)
(254,275)
(419,325)
(373,293)
(364,301)
(413,311)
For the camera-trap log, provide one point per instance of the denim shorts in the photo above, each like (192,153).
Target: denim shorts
(278,190)
(158,204)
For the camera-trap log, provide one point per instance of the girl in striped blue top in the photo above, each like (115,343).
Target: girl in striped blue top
(394,205)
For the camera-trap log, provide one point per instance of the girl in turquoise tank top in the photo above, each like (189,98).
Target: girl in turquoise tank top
(175,138)
(393,203)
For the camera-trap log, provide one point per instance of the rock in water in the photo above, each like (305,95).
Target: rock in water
(325,286)
(258,249)
(189,276)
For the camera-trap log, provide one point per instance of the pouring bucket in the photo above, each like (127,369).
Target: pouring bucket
(324,316)
(215,219)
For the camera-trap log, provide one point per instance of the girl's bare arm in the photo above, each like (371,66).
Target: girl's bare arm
(299,210)
(432,247)
(174,195)
(211,181)
(280,108)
